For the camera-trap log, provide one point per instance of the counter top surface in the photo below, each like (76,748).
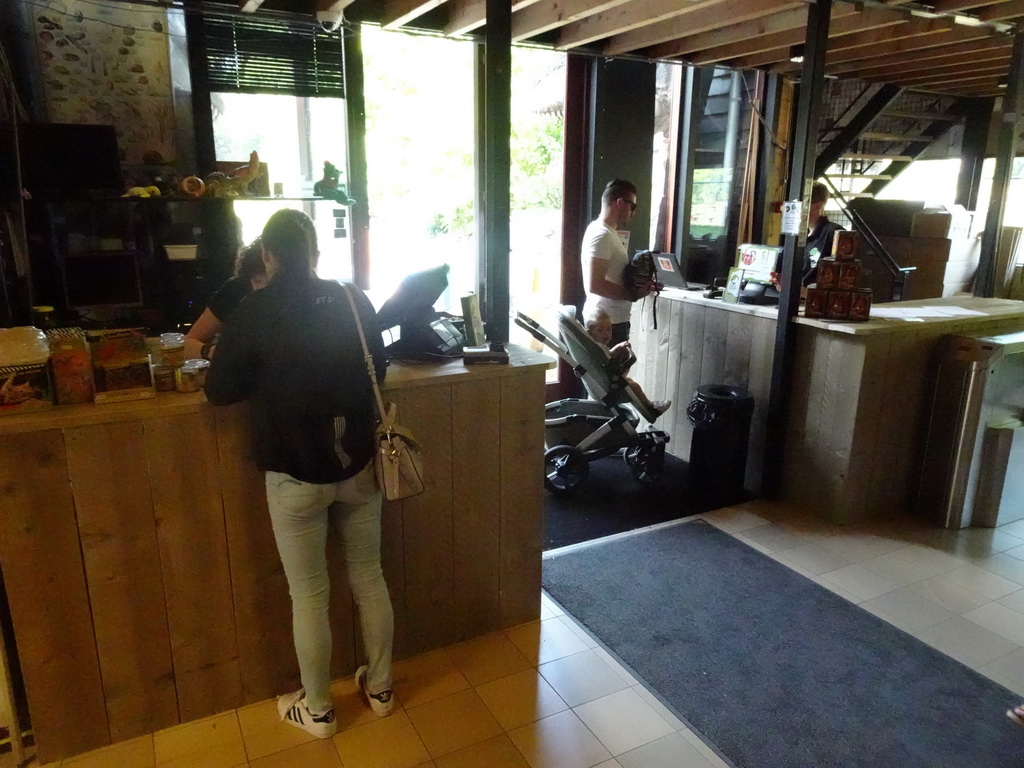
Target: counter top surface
(400,376)
(892,317)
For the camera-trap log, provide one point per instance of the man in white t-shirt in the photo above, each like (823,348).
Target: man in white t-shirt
(604,257)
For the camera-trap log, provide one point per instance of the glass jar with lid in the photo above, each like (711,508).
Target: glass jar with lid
(172,349)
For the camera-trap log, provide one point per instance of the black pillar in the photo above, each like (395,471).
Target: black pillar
(801,176)
(497,121)
(972,151)
(202,110)
(1006,151)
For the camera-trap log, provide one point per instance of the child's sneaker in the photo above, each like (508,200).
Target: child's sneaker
(661,406)
(293,710)
(381,703)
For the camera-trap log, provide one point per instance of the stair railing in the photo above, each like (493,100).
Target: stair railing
(900,275)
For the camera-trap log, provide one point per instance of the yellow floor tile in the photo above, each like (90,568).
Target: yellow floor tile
(388,742)
(427,677)
(264,733)
(582,677)
(215,742)
(544,641)
(488,658)
(319,753)
(520,699)
(454,722)
(559,741)
(137,753)
(351,707)
(498,752)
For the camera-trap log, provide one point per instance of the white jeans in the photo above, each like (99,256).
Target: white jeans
(301,514)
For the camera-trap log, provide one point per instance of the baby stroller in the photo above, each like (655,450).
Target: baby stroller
(576,431)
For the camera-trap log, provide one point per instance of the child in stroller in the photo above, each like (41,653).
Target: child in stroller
(578,431)
(599,326)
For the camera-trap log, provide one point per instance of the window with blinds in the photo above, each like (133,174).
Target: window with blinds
(254,54)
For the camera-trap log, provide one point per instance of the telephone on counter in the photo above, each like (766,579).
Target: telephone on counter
(716,290)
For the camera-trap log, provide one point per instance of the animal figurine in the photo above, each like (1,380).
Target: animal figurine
(329,187)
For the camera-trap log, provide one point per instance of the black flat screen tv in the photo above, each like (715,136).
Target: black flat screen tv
(64,160)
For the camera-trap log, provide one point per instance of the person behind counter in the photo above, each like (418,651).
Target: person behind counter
(819,241)
(249,276)
(604,259)
(293,350)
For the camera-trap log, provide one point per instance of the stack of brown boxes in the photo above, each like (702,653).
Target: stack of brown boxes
(837,295)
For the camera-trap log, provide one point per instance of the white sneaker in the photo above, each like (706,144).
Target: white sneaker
(661,405)
(381,703)
(293,710)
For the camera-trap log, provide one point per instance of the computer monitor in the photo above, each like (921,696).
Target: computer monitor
(758,262)
(62,160)
(423,333)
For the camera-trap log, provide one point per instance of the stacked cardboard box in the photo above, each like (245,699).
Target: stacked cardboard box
(837,295)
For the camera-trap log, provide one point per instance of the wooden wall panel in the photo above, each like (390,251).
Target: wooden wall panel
(673,312)
(427,522)
(522,463)
(110,482)
(868,426)
(476,468)
(737,350)
(663,339)
(45,579)
(262,607)
(762,352)
(691,360)
(182,455)
(716,337)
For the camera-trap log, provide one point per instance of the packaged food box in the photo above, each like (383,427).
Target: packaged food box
(828,274)
(121,370)
(816,303)
(25,388)
(71,362)
(849,274)
(860,305)
(838,305)
(845,244)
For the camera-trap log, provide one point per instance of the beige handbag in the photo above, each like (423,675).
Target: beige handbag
(398,462)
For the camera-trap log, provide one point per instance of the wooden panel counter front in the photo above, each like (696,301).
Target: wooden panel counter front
(142,576)
(859,389)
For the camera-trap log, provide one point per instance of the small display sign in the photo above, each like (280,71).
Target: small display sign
(792,217)
(758,261)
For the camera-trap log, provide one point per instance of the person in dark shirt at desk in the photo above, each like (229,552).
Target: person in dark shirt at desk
(249,276)
(819,241)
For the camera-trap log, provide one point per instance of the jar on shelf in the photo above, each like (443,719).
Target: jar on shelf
(172,349)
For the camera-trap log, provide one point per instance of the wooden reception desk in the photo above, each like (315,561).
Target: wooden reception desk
(141,572)
(857,409)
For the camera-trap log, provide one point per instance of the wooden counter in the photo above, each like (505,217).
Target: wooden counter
(141,571)
(858,405)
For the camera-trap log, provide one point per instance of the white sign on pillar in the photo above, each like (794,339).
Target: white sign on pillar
(791,218)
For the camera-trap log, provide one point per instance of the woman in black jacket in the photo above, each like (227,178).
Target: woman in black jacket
(293,350)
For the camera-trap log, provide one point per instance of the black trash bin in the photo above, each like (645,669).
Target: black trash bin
(720,416)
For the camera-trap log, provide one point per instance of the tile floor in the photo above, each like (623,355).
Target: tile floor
(545,695)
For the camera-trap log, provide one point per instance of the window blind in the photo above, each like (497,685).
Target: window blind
(254,54)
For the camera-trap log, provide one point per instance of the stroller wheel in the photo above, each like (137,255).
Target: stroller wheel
(565,469)
(645,462)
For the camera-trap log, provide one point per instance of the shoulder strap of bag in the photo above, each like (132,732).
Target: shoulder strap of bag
(382,413)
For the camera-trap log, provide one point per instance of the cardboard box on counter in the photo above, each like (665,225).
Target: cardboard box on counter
(25,388)
(121,368)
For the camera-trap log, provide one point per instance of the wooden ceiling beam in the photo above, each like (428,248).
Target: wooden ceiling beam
(909,66)
(1002,11)
(940,86)
(704,20)
(985,48)
(944,74)
(398,13)
(861,44)
(845,20)
(249,6)
(955,6)
(883,51)
(628,17)
(781,19)
(551,14)
(466,15)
